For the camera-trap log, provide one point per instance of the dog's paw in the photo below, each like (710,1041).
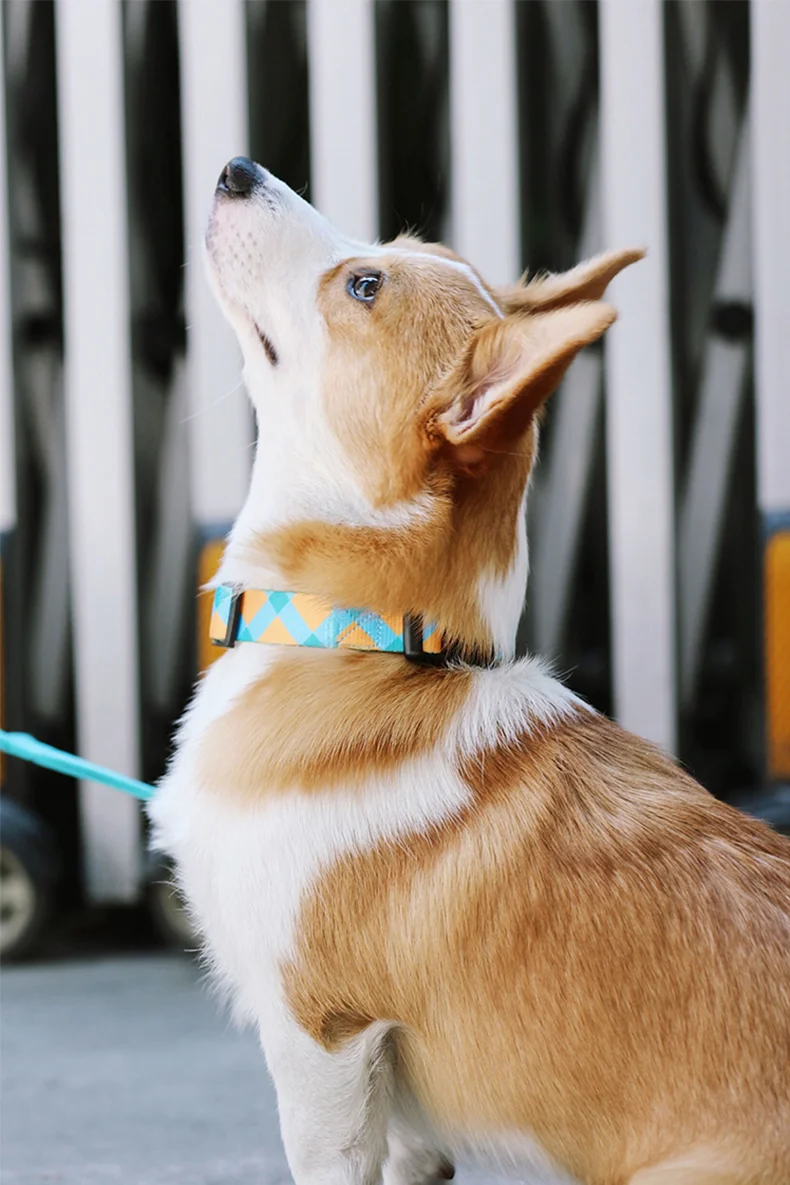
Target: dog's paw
(417,1167)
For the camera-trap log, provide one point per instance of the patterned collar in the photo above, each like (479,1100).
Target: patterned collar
(299,619)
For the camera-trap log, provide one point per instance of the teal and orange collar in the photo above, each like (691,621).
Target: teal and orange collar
(299,619)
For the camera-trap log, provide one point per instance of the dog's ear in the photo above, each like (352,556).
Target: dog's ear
(587,281)
(509,369)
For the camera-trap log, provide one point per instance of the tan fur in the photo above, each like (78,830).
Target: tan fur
(596,954)
(321,719)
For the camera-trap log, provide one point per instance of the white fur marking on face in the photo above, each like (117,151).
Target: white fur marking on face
(479,286)
(459,266)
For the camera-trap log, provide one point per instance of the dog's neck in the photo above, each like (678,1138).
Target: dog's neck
(277,509)
(293,480)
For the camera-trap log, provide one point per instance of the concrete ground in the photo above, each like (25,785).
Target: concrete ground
(122,1071)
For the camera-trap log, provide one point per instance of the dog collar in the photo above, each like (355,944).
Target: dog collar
(299,619)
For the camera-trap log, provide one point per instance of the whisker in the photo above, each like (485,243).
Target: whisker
(208,406)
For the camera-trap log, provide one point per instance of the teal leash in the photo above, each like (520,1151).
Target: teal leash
(27,748)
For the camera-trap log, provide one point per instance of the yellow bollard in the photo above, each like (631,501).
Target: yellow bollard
(777,652)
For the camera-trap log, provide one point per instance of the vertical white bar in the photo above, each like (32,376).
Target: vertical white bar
(7,451)
(7,440)
(770,107)
(344,163)
(483,137)
(638,384)
(214,129)
(97,381)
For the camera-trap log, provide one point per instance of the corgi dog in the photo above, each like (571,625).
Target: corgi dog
(462,909)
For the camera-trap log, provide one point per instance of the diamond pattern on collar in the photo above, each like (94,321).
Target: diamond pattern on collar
(299,619)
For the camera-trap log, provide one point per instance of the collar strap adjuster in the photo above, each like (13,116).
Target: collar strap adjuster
(231,595)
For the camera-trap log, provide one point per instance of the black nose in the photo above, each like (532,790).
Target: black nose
(240,176)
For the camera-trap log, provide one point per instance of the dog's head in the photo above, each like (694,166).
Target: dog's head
(396,395)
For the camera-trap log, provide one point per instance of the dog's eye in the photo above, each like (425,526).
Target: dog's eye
(365,286)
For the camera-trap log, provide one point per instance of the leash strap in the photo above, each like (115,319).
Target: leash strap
(20,744)
(299,619)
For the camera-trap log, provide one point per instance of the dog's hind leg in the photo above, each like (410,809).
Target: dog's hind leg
(334,1106)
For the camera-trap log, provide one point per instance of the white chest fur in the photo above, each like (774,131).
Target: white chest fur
(245,868)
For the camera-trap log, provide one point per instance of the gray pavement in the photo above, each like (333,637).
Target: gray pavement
(123,1071)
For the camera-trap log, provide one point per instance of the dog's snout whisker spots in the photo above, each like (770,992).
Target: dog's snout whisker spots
(268,347)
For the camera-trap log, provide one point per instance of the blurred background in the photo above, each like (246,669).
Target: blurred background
(527,133)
